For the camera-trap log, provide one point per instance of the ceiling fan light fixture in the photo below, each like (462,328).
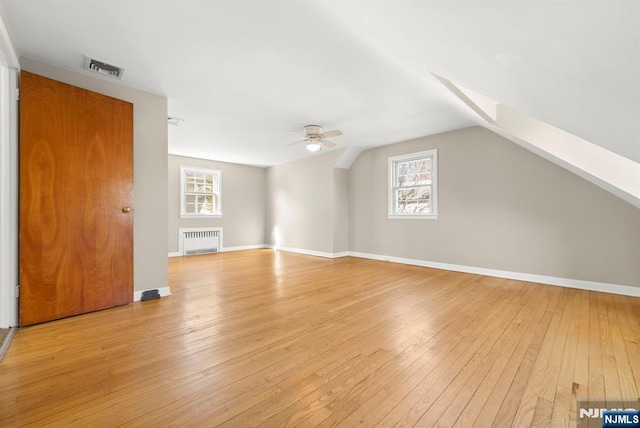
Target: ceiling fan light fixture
(313,146)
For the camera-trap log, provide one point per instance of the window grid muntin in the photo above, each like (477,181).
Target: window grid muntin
(415,175)
(200,192)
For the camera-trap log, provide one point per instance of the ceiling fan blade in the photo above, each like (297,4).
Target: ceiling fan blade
(330,134)
(326,143)
(298,142)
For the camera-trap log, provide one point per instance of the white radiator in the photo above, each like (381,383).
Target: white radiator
(200,241)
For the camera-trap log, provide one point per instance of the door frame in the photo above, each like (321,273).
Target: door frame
(9,72)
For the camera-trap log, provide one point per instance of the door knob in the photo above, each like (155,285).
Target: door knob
(126,210)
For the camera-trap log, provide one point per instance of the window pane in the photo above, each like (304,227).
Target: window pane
(424,192)
(200,192)
(406,194)
(201,204)
(416,200)
(190,182)
(207,206)
(413,173)
(412,180)
(423,178)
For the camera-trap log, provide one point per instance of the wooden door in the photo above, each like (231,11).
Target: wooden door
(76,186)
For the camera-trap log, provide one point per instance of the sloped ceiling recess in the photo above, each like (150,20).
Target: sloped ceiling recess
(243,73)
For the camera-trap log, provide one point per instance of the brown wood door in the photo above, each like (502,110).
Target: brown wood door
(76,176)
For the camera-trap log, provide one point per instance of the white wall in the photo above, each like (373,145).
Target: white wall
(243,203)
(149,170)
(8,197)
(9,69)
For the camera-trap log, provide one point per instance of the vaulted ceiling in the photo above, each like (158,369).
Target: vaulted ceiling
(244,73)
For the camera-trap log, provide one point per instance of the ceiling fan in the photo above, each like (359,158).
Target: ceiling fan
(315,139)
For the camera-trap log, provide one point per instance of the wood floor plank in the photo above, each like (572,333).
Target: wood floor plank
(502,404)
(448,407)
(378,340)
(629,319)
(610,371)
(412,407)
(454,340)
(562,357)
(545,364)
(266,338)
(580,382)
(488,397)
(626,380)
(564,396)
(455,398)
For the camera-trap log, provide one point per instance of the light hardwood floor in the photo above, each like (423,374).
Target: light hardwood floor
(264,338)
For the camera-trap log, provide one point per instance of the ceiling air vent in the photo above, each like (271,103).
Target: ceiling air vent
(103,68)
(175,121)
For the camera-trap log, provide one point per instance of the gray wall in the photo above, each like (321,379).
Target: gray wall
(149,170)
(500,207)
(243,203)
(340,210)
(301,204)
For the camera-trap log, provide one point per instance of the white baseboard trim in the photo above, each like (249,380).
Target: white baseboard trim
(243,247)
(4,346)
(625,290)
(164,291)
(227,249)
(309,252)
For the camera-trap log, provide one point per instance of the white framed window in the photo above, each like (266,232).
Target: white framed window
(200,192)
(413,190)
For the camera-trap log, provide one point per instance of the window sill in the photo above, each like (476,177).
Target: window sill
(200,215)
(412,217)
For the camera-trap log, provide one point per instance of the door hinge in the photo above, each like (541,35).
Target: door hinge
(17,94)
(18,290)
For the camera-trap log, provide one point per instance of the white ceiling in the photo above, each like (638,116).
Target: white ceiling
(243,73)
